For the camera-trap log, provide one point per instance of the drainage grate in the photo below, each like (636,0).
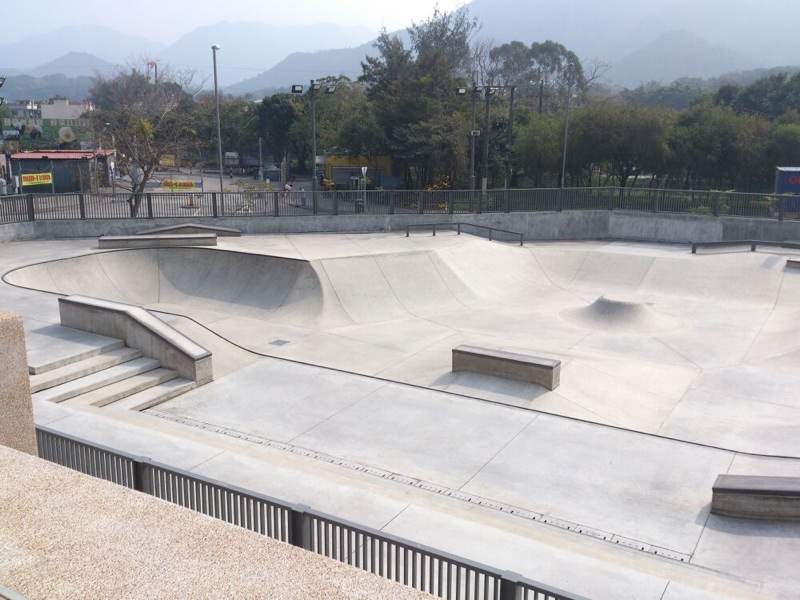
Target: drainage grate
(279,342)
(432,487)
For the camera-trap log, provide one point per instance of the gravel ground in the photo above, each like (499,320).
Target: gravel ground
(67,535)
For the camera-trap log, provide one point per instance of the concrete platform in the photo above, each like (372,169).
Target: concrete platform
(601,487)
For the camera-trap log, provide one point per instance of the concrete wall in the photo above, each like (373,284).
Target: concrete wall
(568,225)
(16,408)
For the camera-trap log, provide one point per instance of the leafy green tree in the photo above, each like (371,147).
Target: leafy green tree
(276,116)
(413,92)
(628,140)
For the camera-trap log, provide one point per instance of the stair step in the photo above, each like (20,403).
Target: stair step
(123,389)
(54,346)
(155,395)
(97,380)
(87,366)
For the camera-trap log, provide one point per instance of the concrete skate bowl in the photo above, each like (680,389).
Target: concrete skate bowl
(620,313)
(193,281)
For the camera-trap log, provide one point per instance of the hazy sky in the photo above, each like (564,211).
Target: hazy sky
(166,20)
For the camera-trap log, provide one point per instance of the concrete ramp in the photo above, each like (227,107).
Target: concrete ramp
(251,285)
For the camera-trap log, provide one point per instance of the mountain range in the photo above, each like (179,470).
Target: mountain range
(638,43)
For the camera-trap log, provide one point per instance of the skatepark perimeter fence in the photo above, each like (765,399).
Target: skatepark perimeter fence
(414,565)
(33,207)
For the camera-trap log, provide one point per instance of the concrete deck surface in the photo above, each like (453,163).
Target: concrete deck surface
(675,368)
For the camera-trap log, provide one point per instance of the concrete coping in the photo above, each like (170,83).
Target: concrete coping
(793,263)
(140,329)
(157,240)
(757,485)
(189,228)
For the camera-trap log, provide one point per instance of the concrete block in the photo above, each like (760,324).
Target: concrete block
(141,330)
(757,497)
(510,365)
(16,407)
(157,241)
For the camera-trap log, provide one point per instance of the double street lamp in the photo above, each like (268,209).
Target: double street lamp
(314,88)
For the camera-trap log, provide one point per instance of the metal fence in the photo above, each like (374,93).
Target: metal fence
(414,565)
(31,207)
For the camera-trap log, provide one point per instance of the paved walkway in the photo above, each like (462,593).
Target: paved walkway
(684,370)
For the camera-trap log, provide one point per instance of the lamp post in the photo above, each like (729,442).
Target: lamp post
(566,126)
(509,135)
(473,133)
(488,92)
(214,49)
(313,88)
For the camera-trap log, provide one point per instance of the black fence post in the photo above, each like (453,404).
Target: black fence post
(610,198)
(214,204)
(29,203)
(300,531)
(149,205)
(508,585)
(81,206)
(420,203)
(715,205)
(781,206)
(391,202)
(314,202)
(141,483)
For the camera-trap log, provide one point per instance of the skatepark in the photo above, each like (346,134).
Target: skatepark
(333,387)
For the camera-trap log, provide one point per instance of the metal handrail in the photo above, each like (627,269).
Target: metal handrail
(458,227)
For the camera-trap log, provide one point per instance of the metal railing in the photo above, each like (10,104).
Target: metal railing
(270,203)
(392,557)
(491,232)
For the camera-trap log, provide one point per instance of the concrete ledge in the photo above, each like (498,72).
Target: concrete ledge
(756,497)
(157,241)
(192,228)
(752,243)
(140,330)
(793,263)
(498,363)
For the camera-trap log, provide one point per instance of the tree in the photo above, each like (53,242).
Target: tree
(627,140)
(148,120)
(413,93)
(276,115)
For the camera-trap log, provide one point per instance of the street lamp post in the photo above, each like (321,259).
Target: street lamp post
(214,49)
(473,133)
(313,88)
(566,126)
(488,92)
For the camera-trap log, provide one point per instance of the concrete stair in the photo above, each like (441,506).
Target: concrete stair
(82,370)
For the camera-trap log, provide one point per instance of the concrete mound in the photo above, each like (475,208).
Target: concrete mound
(619,313)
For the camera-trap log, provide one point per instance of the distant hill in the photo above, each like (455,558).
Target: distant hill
(663,41)
(39,49)
(25,87)
(301,67)
(676,55)
(250,48)
(75,64)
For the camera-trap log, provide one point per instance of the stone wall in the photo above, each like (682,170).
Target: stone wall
(16,424)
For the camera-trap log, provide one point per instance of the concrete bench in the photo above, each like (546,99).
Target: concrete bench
(756,497)
(510,365)
(157,241)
